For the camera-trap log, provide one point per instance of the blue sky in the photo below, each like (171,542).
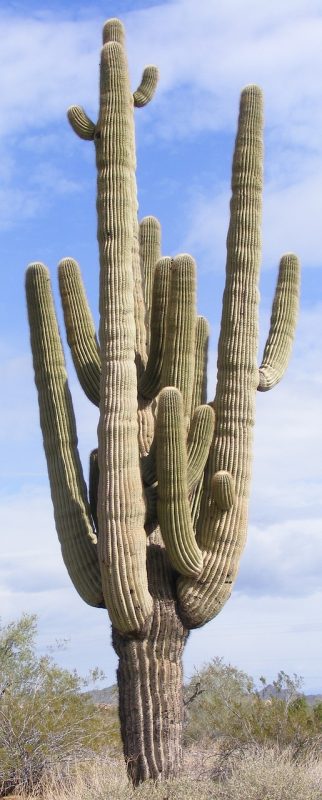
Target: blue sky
(206,53)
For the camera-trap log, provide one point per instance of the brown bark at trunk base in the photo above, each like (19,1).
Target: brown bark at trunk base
(150,681)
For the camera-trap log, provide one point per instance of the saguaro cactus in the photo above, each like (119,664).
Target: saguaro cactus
(158,541)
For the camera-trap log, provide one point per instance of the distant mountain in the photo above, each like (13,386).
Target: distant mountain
(109,695)
(270,691)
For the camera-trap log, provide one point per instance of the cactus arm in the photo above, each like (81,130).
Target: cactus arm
(150,254)
(150,382)
(199,392)
(121,507)
(283,322)
(223,490)
(173,502)
(148,85)
(200,436)
(68,490)
(81,123)
(80,329)
(179,353)
(221,534)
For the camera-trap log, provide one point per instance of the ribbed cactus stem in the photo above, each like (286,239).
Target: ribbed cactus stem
(221,534)
(150,246)
(81,123)
(121,509)
(283,323)
(81,335)
(199,392)
(173,503)
(179,353)
(146,90)
(150,382)
(198,444)
(68,489)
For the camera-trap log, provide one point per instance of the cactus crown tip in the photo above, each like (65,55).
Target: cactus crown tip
(113,31)
(251,93)
(67,263)
(36,267)
(252,88)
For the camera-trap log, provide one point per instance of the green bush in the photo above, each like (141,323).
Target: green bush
(222,703)
(45,718)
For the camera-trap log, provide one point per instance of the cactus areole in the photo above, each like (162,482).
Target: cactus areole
(157,538)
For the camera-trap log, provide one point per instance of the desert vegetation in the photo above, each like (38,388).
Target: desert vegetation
(241,741)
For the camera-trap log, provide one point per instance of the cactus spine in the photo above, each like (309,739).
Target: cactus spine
(159,541)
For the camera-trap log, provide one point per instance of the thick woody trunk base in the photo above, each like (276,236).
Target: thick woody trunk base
(150,683)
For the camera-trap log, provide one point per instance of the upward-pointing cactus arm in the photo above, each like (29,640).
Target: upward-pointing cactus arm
(283,322)
(150,254)
(199,392)
(146,90)
(221,533)
(173,503)
(179,352)
(150,382)
(80,329)
(81,123)
(68,490)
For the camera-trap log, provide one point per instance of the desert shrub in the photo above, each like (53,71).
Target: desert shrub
(222,703)
(44,715)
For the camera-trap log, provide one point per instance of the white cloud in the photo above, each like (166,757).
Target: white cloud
(262,636)
(284,559)
(206,53)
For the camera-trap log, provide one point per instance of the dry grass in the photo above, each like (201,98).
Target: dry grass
(261,774)
(105,779)
(269,774)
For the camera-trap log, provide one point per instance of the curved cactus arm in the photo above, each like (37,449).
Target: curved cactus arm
(221,533)
(121,506)
(81,123)
(150,382)
(150,254)
(200,436)
(68,490)
(283,323)
(179,352)
(173,502)
(199,392)
(223,490)
(148,85)
(80,329)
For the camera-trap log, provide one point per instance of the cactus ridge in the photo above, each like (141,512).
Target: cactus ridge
(283,321)
(80,329)
(169,475)
(150,254)
(199,391)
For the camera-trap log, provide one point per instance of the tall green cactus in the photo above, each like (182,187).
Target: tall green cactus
(158,541)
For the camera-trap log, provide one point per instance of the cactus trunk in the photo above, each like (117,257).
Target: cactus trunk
(150,680)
